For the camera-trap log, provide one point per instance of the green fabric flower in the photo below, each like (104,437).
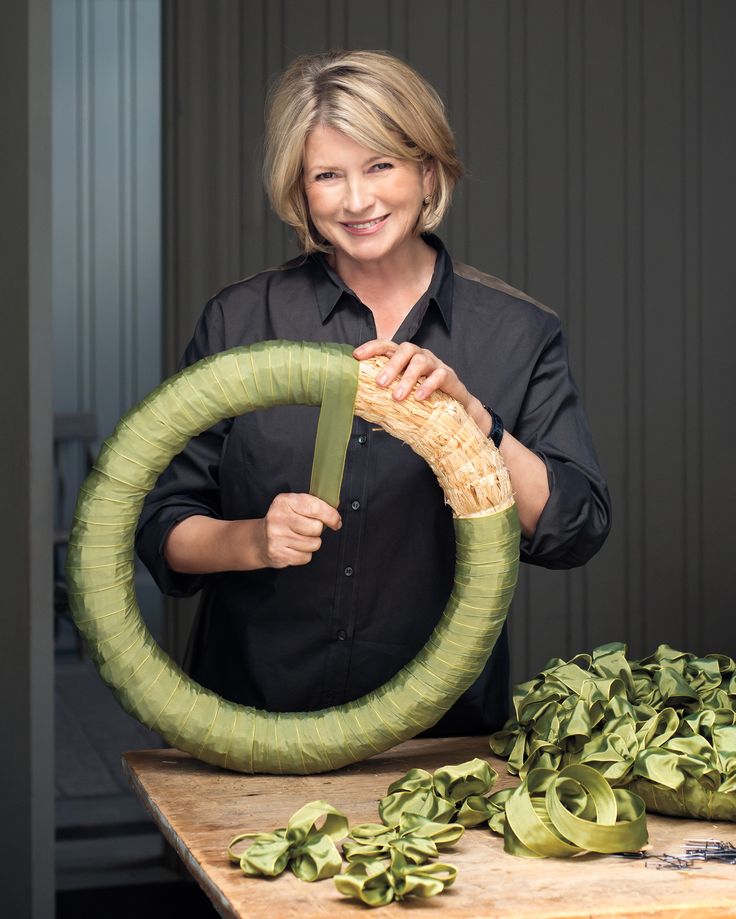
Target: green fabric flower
(416,838)
(450,793)
(310,852)
(380,882)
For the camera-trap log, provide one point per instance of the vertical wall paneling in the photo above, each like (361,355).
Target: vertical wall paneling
(717,308)
(398,26)
(253,211)
(366,25)
(598,360)
(456,225)
(573,296)
(542,251)
(663,390)
(631,503)
(693,339)
(599,144)
(106,211)
(486,145)
(26,624)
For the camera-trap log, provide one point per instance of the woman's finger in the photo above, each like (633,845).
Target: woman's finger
(374,348)
(304,526)
(419,366)
(438,379)
(311,507)
(398,362)
(298,543)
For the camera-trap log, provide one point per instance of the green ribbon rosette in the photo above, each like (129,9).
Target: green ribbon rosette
(466,786)
(414,793)
(663,726)
(380,882)
(309,851)
(575,810)
(417,838)
(450,793)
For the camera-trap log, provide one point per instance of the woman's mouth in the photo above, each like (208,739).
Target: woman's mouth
(365,227)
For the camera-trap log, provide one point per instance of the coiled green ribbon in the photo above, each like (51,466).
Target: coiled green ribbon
(574,810)
(549,814)
(310,852)
(664,726)
(378,883)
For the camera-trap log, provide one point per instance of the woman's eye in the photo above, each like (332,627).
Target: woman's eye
(382,167)
(322,176)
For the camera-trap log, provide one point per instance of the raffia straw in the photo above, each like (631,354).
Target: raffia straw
(468,466)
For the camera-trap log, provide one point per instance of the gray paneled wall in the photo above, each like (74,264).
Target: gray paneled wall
(600,140)
(106,226)
(106,204)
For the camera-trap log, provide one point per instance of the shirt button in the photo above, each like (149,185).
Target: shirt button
(355,505)
(362,439)
(348,572)
(342,634)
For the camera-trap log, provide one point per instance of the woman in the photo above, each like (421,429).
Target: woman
(305,606)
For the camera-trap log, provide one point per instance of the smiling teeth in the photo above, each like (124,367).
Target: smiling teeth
(365,226)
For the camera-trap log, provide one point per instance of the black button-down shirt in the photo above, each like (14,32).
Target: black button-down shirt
(307,637)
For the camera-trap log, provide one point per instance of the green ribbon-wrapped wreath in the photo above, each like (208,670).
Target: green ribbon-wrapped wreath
(153,688)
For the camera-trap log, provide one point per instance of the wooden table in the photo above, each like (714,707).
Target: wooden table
(198,808)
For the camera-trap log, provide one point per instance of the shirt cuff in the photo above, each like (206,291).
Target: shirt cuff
(574,522)
(150,542)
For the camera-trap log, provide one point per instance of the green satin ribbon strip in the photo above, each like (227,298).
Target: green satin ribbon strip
(333,428)
(452,793)
(301,845)
(417,838)
(663,726)
(380,882)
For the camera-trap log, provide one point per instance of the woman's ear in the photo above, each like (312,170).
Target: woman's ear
(428,177)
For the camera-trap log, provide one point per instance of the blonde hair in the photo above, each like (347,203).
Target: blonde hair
(373,98)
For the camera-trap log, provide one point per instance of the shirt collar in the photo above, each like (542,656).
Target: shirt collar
(329,287)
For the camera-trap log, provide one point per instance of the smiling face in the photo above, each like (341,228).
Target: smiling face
(364,203)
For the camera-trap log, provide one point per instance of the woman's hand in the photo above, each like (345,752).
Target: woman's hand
(291,531)
(289,534)
(409,362)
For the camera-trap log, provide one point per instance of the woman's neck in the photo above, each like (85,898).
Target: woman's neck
(391,286)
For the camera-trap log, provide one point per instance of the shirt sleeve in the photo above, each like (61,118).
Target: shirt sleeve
(190,484)
(577,517)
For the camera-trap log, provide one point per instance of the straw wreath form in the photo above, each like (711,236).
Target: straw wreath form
(151,687)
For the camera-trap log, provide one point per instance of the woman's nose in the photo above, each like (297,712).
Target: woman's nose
(358,195)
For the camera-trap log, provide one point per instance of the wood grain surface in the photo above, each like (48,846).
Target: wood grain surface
(199,808)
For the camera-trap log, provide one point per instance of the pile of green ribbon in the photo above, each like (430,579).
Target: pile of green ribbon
(422,813)
(549,814)
(384,863)
(663,726)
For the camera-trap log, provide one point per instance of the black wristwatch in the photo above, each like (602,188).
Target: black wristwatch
(496,432)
